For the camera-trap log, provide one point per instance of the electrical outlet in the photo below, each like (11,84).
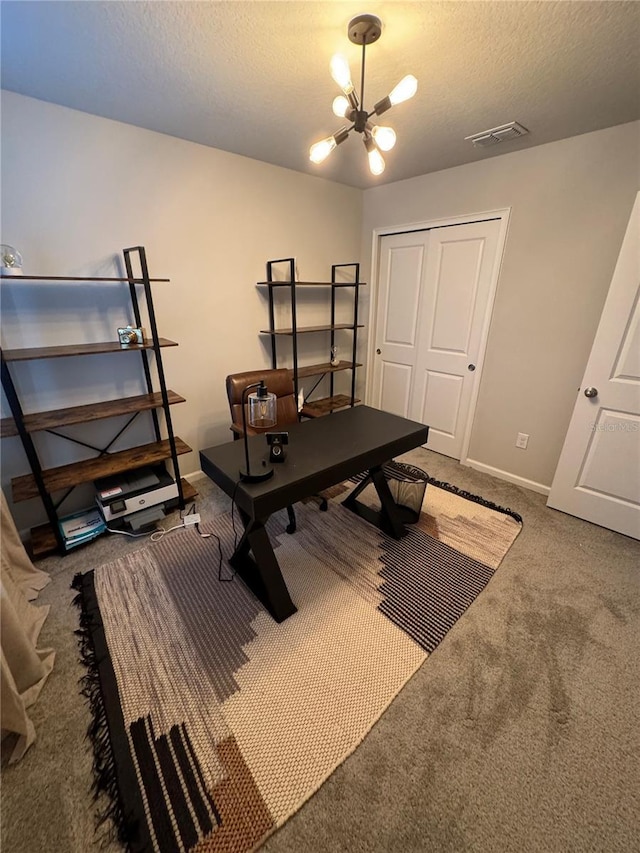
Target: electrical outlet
(190,520)
(522,440)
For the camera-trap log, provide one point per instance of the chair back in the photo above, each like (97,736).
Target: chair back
(279,382)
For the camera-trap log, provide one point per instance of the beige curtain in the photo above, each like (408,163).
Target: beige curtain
(24,667)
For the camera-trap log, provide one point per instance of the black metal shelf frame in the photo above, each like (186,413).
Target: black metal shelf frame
(292,285)
(356,285)
(51,507)
(31,453)
(146,284)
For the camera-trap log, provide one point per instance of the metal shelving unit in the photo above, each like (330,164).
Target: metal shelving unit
(45,482)
(326,405)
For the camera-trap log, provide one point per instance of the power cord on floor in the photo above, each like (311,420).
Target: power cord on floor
(126,533)
(233,521)
(192,519)
(189,518)
(155,535)
(161,532)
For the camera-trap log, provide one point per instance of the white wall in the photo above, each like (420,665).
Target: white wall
(76,190)
(570,203)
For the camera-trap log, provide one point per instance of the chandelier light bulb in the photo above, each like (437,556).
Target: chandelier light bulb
(341,106)
(321,150)
(405,89)
(385,137)
(341,73)
(376,162)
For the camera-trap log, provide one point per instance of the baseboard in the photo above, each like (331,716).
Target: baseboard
(510,478)
(194,475)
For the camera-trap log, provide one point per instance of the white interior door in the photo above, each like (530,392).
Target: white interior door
(402,262)
(598,475)
(435,292)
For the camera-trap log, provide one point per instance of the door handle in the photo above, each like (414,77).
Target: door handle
(590,392)
(471,367)
(378,352)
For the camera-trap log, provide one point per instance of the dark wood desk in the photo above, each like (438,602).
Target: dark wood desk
(321,453)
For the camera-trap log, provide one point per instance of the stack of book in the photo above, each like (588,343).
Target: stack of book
(81,527)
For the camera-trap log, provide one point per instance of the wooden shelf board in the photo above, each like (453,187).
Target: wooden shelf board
(310,283)
(317,408)
(326,367)
(31,353)
(91,412)
(74,278)
(43,540)
(8,428)
(24,487)
(189,491)
(302,329)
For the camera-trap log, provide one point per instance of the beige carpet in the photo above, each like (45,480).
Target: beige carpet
(221,722)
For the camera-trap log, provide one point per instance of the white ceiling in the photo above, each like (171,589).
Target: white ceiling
(253,77)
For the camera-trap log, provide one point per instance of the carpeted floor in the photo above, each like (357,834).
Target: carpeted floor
(225,722)
(520,733)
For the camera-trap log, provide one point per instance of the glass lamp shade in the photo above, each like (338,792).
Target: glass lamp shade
(262,409)
(260,412)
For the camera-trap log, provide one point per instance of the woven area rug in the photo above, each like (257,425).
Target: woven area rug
(212,724)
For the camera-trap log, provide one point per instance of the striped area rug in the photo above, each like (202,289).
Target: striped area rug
(212,724)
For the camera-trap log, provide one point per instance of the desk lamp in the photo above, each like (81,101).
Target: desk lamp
(262,413)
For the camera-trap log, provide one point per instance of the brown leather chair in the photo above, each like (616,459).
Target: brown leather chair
(280,383)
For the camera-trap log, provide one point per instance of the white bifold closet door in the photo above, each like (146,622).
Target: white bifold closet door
(433,312)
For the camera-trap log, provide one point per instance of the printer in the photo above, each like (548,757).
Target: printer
(120,495)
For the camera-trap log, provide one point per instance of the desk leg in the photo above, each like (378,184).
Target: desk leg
(387,518)
(262,573)
(389,509)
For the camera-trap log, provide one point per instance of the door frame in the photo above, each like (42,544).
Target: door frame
(502,215)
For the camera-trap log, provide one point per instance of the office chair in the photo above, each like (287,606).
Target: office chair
(280,383)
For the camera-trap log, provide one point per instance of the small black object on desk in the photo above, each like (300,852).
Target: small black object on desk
(276,441)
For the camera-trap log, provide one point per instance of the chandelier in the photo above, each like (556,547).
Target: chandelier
(363,30)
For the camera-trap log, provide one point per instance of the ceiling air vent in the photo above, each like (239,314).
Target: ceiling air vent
(497,134)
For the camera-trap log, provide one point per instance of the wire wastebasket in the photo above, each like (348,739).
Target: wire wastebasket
(407,485)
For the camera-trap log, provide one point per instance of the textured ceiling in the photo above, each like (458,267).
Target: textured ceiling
(253,77)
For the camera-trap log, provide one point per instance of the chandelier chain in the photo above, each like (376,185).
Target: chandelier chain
(362,78)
